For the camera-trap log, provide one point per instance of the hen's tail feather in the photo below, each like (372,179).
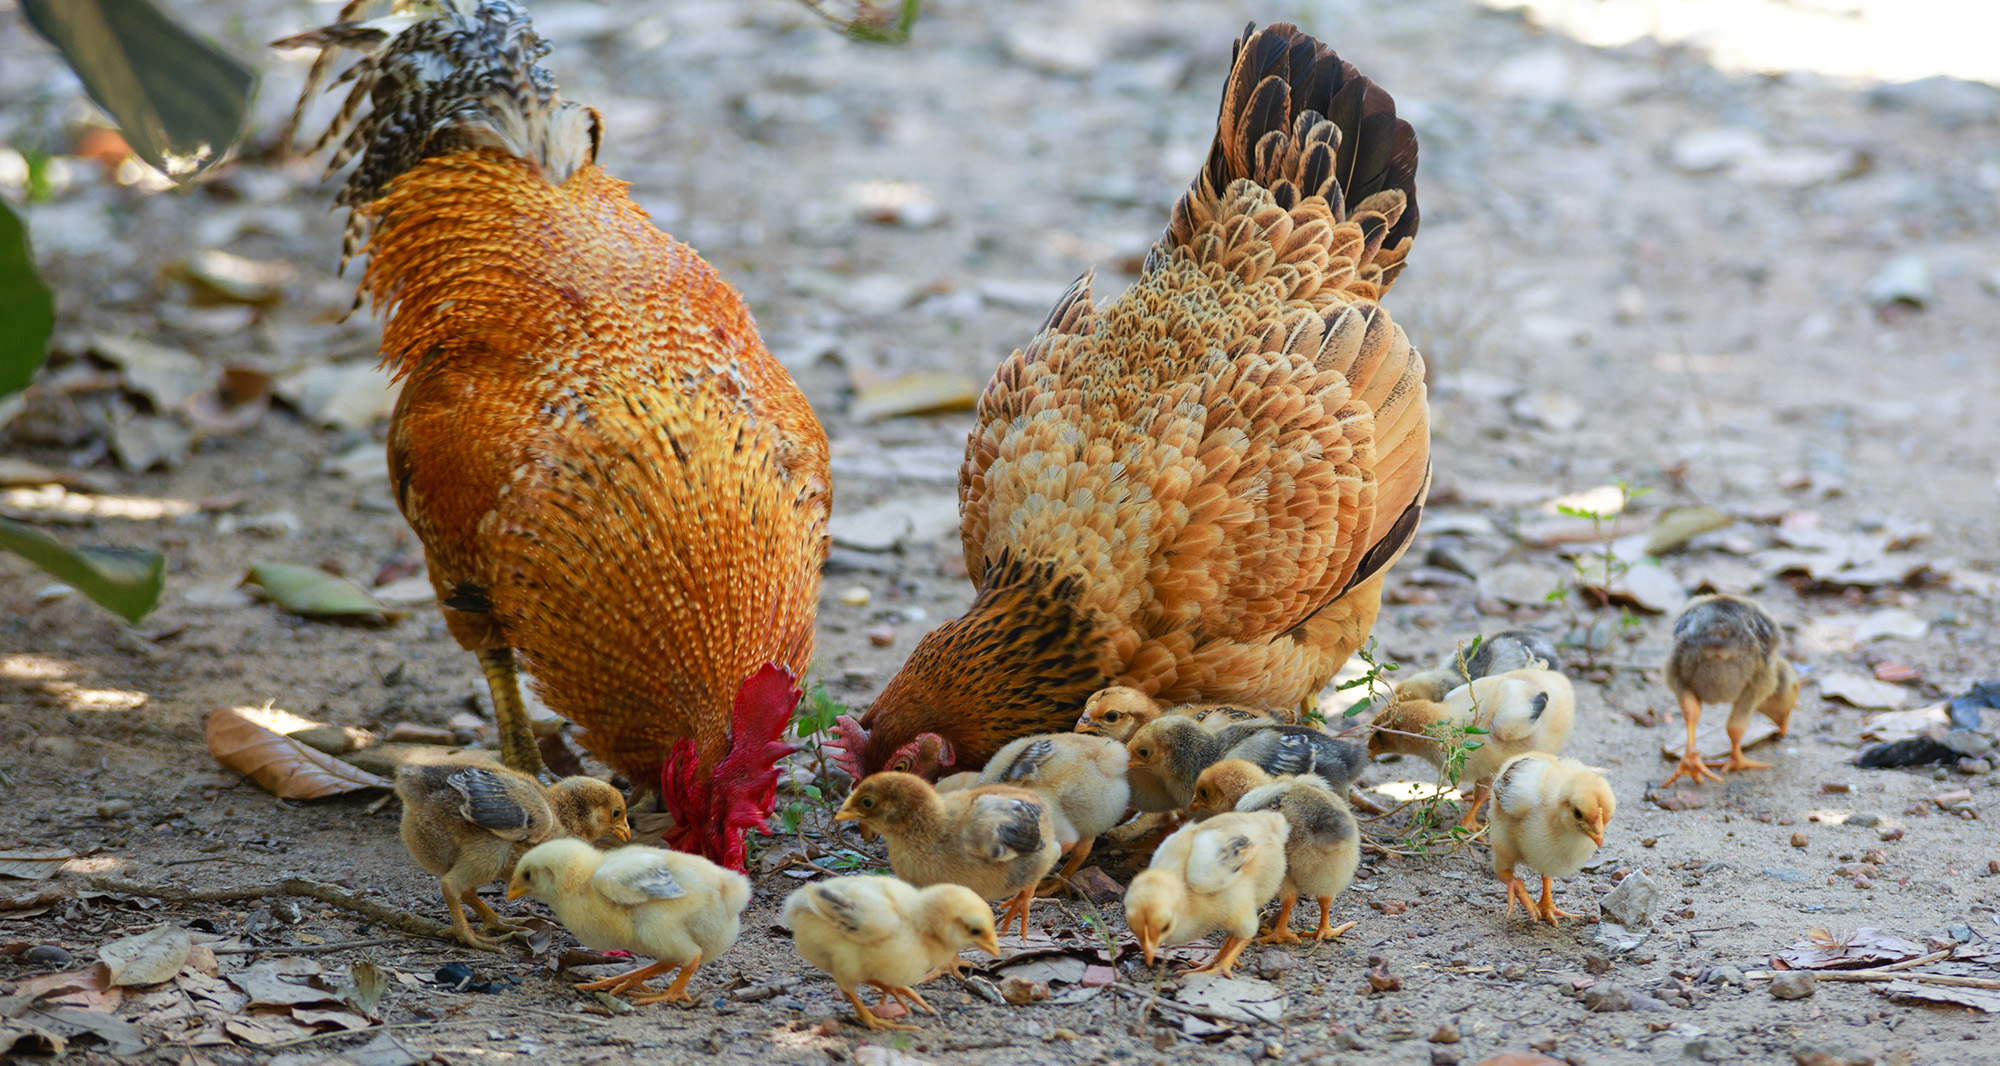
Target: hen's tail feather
(439,76)
(1301,122)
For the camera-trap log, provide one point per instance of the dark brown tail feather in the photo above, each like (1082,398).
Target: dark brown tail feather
(1277,74)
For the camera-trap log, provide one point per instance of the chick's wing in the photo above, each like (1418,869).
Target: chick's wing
(632,876)
(1007,826)
(865,909)
(499,804)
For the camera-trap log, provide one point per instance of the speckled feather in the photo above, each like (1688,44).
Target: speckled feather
(608,471)
(1202,482)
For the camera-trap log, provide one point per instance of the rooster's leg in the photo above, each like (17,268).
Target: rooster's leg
(867,1017)
(676,992)
(1078,852)
(1691,765)
(1281,926)
(510,715)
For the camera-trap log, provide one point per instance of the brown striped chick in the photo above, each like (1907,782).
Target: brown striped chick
(1321,853)
(1169,754)
(1513,649)
(885,932)
(1727,650)
(1082,779)
(1207,877)
(1549,813)
(468,823)
(996,840)
(1522,710)
(1118,712)
(675,906)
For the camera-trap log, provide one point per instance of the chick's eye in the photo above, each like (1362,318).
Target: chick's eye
(868,803)
(1111,716)
(1145,753)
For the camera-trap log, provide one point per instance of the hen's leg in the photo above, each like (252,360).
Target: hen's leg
(1281,927)
(1547,908)
(510,715)
(868,1017)
(1078,852)
(676,992)
(1225,959)
(1691,765)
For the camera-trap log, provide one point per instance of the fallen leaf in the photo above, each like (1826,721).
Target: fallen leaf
(1646,585)
(33,865)
(313,593)
(25,901)
(236,403)
(284,767)
(1519,584)
(1902,725)
(1863,692)
(1059,968)
(120,1037)
(1890,622)
(883,1055)
(166,377)
(1863,948)
(1244,999)
(345,395)
(364,988)
(147,958)
(922,393)
(385,1050)
(1675,526)
(265,1030)
(284,982)
(1979,999)
(329,1019)
(215,278)
(886,526)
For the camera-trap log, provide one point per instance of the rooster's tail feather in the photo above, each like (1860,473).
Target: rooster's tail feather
(440,76)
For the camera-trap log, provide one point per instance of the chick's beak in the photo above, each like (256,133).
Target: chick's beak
(516,890)
(990,944)
(846,814)
(1597,831)
(622,833)
(1148,940)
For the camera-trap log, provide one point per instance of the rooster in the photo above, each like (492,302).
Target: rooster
(613,480)
(1195,490)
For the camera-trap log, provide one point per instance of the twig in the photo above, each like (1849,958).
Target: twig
(1154,1001)
(754,993)
(1895,971)
(332,895)
(309,949)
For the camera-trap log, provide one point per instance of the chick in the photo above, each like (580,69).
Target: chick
(1550,813)
(1513,649)
(1118,712)
(1726,651)
(1321,854)
(467,824)
(679,908)
(1222,784)
(1529,709)
(1209,876)
(1081,779)
(1170,753)
(888,933)
(996,840)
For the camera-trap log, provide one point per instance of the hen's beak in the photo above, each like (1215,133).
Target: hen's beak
(516,890)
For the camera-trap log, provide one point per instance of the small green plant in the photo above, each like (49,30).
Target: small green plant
(1599,569)
(1376,680)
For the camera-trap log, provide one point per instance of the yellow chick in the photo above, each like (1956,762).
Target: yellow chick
(1550,813)
(681,909)
(1222,784)
(996,840)
(1118,712)
(1523,710)
(1209,876)
(1726,650)
(1513,649)
(1321,853)
(885,932)
(1081,778)
(467,823)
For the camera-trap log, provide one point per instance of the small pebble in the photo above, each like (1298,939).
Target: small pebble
(1809,1055)
(1891,834)
(1877,857)
(1974,766)
(882,636)
(1274,1049)
(858,596)
(1606,999)
(1726,975)
(1864,881)
(1799,840)
(1446,1055)
(1993,867)
(1446,1034)
(47,955)
(1594,963)
(1391,906)
(1833,786)
(1647,842)
(1864,819)
(1793,984)
(114,808)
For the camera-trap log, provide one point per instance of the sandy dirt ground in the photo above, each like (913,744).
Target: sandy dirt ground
(1634,266)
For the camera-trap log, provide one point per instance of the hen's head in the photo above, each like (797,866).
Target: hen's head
(712,810)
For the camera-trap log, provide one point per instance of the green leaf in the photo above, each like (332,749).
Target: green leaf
(27,309)
(123,581)
(180,101)
(313,593)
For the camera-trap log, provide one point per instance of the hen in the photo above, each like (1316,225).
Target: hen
(1194,490)
(613,480)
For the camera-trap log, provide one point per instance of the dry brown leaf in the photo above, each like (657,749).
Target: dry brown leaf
(283,766)
(148,958)
(34,865)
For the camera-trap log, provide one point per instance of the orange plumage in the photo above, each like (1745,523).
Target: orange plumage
(1194,491)
(610,474)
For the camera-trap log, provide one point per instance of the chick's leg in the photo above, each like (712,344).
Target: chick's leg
(676,992)
(1518,890)
(460,929)
(1017,907)
(618,983)
(1739,722)
(510,715)
(1480,791)
(1078,852)
(1281,926)
(1225,959)
(908,996)
(867,1017)
(490,920)
(1547,907)
(1691,765)
(1327,930)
